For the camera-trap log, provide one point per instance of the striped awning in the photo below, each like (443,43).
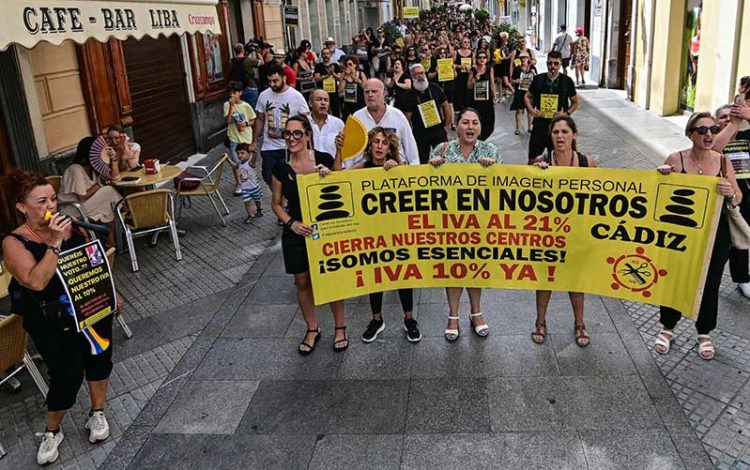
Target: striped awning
(28,22)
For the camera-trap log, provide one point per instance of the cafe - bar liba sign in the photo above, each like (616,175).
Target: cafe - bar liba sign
(27,22)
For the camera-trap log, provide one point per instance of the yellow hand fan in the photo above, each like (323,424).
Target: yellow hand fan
(355,139)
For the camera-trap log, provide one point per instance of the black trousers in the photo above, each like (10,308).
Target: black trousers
(738,259)
(709,309)
(406,296)
(428,140)
(68,357)
(540,138)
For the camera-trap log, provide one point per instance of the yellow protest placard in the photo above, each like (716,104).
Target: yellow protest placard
(429,114)
(400,42)
(548,105)
(411,12)
(329,85)
(445,70)
(635,235)
(466,63)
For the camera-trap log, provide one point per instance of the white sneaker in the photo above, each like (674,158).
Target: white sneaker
(98,427)
(745,289)
(48,452)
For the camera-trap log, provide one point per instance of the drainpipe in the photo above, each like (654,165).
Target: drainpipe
(649,55)
(633,38)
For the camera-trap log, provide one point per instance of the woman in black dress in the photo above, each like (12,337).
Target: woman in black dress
(462,63)
(350,85)
(522,77)
(303,159)
(481,84)
(399,84)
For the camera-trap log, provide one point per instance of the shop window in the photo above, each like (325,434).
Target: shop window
(209,60)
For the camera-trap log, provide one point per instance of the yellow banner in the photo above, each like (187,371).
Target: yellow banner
(635,235)
(411,12)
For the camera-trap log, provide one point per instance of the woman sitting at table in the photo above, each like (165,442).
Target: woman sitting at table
(128,154)
(82,185)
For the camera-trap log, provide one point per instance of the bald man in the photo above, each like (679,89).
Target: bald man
(325,127)
(377,113)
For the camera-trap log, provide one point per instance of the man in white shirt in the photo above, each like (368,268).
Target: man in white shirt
(377,113)
(325,127)
(276,104)
(336,53)
(563,43)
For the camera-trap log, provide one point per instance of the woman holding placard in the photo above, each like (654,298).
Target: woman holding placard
(463,62)
(481,85)
(350,85)
(701,159)
(31,253)
(564,133)
(467,148)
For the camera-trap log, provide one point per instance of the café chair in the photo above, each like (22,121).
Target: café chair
(55,181)
(149,212)
(125,328)
(208,186)
(13,343)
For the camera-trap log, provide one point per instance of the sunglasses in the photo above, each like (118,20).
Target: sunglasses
(703,130)
(553,64)
(295,134)
(481,57)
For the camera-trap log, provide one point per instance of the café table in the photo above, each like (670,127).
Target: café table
(144,180)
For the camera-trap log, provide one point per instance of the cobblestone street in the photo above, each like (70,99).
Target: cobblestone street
(211,378)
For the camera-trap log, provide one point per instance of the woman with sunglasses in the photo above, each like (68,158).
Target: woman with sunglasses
(501,66)
(467,148)
(481,85)
(564,133)
(302,160)
(350,85)
(701,159)
(462,62)
(411,56)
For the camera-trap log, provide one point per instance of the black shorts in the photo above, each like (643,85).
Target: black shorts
(566,62)
(295,253)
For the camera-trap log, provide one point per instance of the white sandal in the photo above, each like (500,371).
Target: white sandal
(480,330)
(451,334)
(664,340)
(706,348)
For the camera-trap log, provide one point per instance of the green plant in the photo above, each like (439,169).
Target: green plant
(391,32)
(513,33)
(482,16)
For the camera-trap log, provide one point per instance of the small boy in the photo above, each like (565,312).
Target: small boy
(240,118)
(251,190)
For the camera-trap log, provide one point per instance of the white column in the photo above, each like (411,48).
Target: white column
(597,37)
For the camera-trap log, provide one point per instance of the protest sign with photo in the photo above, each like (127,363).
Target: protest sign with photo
(635,235)
(87,279)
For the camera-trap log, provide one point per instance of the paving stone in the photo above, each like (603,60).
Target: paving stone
(267,358)
(223,452)
(448,406)
(261,321)
(389,359)
(605,355)
(342,452)
(208,407)
(322,406)
(648,448)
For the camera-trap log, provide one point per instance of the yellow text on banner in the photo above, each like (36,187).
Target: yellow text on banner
(411,12)
(445,70)
(635,235)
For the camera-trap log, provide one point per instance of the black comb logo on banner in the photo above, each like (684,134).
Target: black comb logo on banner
(681,205)
(330,201)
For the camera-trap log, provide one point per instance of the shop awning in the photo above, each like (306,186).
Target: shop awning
(27,22)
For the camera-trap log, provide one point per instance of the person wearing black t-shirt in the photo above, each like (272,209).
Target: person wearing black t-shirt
(429,112)
(303,159)
(549,95)
(327,75)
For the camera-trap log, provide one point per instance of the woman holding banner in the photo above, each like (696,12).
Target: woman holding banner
(31,253)
(383,152)
(302,160)
(699,160)
(564,133)
(467,148)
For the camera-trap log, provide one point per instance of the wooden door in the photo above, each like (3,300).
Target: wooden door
(162,122)
(623,53)
(8,214)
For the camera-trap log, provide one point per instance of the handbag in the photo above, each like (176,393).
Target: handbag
(739,231)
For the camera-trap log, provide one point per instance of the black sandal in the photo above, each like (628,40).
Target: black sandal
(345,341)
(305,352)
